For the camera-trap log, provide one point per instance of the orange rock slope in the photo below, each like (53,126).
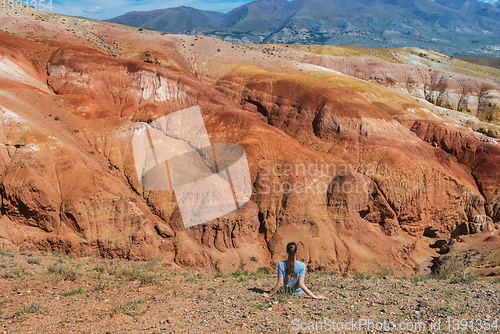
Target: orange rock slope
(358,174)
(476,96)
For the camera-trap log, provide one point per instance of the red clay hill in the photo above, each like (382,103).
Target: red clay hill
(386,172)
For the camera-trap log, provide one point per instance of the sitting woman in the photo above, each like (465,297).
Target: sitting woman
(291,275)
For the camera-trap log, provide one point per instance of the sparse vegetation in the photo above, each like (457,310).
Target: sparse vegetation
(240,275)
(265,270)
(28,309)
(75,291)
(283,296)
(324,273)
(493,62)
(191,295)
(135,274)
(424,278)
(385,271)
(152,264)
(262,272)
(5,253)
(454,270)
(489,70)
(261,306)
(64,271)
(101,285)
(361,275)
(11,273)
(462,279)
(130,308)
(106,267)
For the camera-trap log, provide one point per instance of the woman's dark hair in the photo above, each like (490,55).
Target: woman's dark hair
(291,249)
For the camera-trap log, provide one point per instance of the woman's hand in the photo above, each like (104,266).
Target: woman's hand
(278,285)
(307,291)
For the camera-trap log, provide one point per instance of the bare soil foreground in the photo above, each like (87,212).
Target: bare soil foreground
(50,293)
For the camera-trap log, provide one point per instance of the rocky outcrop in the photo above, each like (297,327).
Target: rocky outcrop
(479,155)
(355,180)
(475,96)
(411,184)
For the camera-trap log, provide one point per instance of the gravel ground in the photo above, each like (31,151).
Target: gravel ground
(50,293)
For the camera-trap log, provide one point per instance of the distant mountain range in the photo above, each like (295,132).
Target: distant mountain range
(454,27)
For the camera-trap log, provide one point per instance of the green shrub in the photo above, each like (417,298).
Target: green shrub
(74,291)
(362,275)
(108,267)
(11,273)
(265,270)
(462,279)
(28,309)
(240,275)
(262,272)
(100,286)
(424,278)
(453,270)
(65,272)
(135,274)
(6,253)
(386,272)
(130,308)
(152,264)
(261,306)
(283,296)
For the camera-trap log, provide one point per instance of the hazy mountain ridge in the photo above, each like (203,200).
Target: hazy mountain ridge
(449,26)
(171,19)
(472,7)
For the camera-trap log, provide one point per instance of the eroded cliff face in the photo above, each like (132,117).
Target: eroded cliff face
(475,96)
(478,154)
(422,185)
(355,173)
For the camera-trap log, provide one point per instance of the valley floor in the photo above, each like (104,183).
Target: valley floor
(51,293)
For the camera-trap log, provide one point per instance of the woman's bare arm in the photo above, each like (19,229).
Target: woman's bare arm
(307,291)
(278,285)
